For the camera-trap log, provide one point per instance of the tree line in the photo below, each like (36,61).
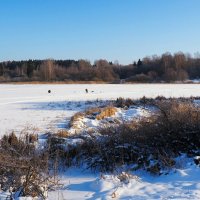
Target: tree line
(164,68)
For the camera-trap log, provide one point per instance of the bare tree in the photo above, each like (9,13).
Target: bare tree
(182,75)
(101,63)
(47,70)
(166,59)
(170,74)
(180,60)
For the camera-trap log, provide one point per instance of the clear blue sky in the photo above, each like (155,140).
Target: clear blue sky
(122,30)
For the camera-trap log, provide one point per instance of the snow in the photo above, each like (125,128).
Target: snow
(90,124)
(32,108)
(133,112)
(179,184)
(194,80)
(77,184)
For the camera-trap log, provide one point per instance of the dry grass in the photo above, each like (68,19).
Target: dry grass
(99,113)
(92,111)
(53,82)
(183,110)
(106,112)
(76,118)
(32,138)
(24,170)
(62,134)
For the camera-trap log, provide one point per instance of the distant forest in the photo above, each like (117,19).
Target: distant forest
(164,68)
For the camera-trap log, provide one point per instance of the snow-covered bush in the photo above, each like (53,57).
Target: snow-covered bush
(24,170)
(151,143)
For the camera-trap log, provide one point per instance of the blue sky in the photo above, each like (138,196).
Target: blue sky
(123,30)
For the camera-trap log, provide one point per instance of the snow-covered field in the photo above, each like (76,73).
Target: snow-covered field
(181,184)
(31,107)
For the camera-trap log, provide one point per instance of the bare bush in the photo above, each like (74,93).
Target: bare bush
(24,170)
(151,143)
(121,102)
(140,78)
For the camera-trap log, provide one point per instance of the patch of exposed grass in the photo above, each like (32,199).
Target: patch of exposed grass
(106,112)
(93,111)
(62,134)
(76,118)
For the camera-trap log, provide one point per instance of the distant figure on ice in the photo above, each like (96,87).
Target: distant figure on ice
(86,90)
(49,91)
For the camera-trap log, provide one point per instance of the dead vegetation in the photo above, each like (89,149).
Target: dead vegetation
(62,134)
(151,143)
(106,112)
(94,113)
(75,118)
(122,103)
(25,170)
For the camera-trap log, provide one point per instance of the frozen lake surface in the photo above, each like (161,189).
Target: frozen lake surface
(32,107)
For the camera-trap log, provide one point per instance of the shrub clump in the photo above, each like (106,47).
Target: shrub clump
(121,102)
(151,143)
(25,170)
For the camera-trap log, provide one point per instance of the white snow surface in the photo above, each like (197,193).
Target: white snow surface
(180,184)
(91,124)
(31,107)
